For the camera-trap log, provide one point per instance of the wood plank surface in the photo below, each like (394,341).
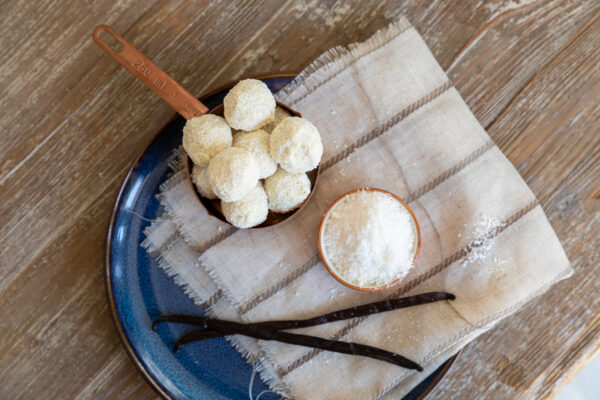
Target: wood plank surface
(553,138)
(72,121)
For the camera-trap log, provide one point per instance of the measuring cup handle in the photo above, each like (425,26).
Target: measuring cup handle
(152,76)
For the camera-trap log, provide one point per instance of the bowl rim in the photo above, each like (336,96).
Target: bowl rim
(332,270)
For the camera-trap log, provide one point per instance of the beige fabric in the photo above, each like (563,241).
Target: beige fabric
(389,118)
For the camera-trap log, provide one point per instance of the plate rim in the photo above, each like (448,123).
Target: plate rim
(131,353)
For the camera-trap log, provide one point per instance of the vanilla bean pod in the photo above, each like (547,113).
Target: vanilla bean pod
(352,312)
(272,330)
(302,340)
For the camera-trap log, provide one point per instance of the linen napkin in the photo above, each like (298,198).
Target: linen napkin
(389,118)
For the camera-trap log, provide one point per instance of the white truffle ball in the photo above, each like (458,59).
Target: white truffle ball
(257,143)
(250,211)
(204,137)
(249,105)
(200,179)
(286,191)
(233,173)
(280,115)
(296,145)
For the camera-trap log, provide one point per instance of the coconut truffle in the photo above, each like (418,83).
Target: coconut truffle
(257,143)
(249,105)
(250,211)
(296,145)
(200,179)
(204,137)
(280,115)
(233,173)
(286,191)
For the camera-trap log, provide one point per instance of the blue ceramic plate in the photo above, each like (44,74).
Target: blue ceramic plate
(139,291)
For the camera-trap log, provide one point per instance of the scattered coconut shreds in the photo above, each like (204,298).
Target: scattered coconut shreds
(484,234)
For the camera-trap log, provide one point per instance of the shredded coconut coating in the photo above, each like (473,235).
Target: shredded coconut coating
(250,211)
(249,105)
(204,137)
(369,239)
(200,179)
(296,145)
(286,191)
(233,173)
(257,142)
(280,115)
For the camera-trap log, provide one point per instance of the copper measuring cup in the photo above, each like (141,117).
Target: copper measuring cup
(187,106)
(332,270)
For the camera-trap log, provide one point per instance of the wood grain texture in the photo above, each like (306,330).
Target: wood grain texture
(550,131)
(72,121)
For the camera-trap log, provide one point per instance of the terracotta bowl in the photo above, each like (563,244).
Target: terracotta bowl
(213,207)
(332,270)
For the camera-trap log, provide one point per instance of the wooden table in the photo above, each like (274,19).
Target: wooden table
(73,120)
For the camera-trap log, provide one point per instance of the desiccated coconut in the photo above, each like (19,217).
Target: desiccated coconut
(250,211)
(200,179)
(249,105)
(296,145)
(257,142)
(204,137)
(286,191)
(233,173)
(369,239)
